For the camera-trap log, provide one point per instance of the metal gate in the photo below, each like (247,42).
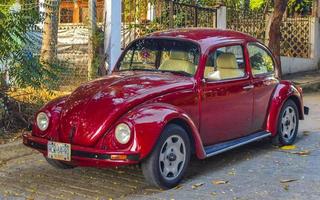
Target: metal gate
(140,17)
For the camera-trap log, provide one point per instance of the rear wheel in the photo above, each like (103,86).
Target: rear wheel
(59,164)
(288,124)
(168,162)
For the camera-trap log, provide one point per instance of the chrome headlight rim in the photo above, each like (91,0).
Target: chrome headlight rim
(42,121)
(123,133)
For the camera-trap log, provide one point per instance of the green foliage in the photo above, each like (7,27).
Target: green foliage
(20,65)
(299,6)
(257,4)
(98,40)
(294,6)
(17,58)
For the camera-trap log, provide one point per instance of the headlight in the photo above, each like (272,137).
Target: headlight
(42,121)
(123,133)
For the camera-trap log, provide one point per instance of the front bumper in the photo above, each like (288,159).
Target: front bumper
(84,156)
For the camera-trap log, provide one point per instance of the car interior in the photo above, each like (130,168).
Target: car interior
(225,66)
(178,61)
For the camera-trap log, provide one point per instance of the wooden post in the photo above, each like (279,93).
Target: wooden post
(171,13)
(112,32)
(196,16)
(76,12)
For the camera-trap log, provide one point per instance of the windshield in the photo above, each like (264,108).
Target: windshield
(166,55)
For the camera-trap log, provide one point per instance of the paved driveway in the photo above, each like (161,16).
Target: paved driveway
(256,171)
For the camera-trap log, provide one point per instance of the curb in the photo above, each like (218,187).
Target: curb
(310,87)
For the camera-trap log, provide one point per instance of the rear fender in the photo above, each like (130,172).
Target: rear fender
(285,90)
(150,120)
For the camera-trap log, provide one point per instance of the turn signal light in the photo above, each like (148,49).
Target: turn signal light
(119,157)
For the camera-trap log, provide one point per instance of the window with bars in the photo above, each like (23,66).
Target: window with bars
(66,15)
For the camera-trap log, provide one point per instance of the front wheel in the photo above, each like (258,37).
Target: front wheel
(168,161)
(288,124)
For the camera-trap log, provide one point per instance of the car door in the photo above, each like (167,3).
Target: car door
(227,96)
(262,66)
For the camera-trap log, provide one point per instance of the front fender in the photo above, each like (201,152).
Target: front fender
(53,110)
(149,121)
(283,91)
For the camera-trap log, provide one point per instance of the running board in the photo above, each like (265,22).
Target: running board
(225,146)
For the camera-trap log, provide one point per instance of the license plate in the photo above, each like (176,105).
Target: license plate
(59,151)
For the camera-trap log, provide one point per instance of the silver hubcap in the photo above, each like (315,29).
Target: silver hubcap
(172,157)
(288,123)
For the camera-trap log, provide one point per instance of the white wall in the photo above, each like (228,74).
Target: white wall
(292,65)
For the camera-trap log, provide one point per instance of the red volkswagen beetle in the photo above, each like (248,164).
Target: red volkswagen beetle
(172,94)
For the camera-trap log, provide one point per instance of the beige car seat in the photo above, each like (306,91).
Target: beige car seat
(228,66)
(178,61)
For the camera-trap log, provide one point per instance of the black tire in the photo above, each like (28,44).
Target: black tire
(151,166)
(59,164)
(280,139)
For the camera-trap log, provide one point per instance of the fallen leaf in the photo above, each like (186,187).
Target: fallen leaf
(195,186)
(213,193)
(288,180)
(302,153)
(219,182)
(232,172)
(285,187)
(178,187)
(306,133)
(288,147)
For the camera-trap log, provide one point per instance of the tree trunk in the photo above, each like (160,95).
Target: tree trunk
(316,8)
(274,29)
(50,31)
(92,32)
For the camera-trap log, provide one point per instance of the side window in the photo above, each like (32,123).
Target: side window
(260,60)
(225,63)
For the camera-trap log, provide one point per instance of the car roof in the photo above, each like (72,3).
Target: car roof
(205,37)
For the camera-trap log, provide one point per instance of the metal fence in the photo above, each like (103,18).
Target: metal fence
(252,23)
(141,17)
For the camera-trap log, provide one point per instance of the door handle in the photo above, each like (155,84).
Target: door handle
(248,87)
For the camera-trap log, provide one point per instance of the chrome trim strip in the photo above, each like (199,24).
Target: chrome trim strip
(238,145)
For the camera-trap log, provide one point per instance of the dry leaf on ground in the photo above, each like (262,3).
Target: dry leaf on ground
(288,147)
(288,180)
(195,186)
(302,153)
(178,187)
(306,133)
(219,182)
(285,186)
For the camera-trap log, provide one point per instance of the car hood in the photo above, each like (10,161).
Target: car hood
(92,108)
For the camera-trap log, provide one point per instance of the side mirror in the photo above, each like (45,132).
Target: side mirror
(214,76)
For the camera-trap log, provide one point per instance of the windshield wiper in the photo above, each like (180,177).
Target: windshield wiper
(155,70)
(138,69)
(177,72)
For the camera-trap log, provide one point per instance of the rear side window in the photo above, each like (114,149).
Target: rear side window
(261,61)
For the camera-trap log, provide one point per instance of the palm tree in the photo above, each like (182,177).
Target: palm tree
(50,31)
(92,32)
